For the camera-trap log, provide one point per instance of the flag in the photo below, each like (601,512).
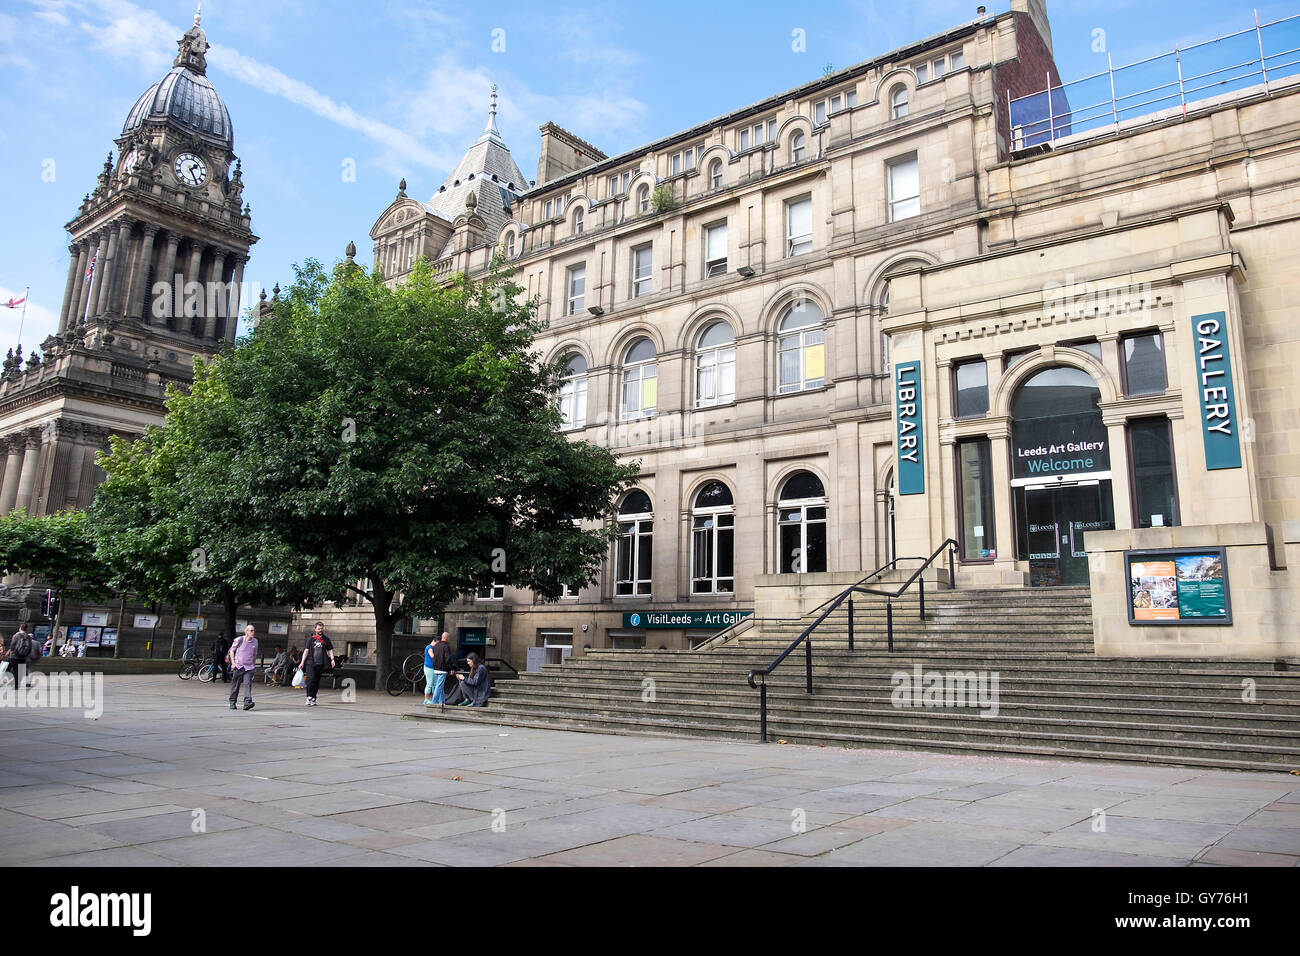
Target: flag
(14,303)
(90,269)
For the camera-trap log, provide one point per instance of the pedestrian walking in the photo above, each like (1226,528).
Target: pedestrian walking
(243,656)
(316,655)
(20,649)
(438,662)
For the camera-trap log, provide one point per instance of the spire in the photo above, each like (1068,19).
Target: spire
(490,132)
(192,48)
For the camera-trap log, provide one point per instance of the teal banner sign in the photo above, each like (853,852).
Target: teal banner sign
(1214,384)
(683,619)
(910,453)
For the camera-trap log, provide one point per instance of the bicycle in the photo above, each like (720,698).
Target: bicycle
(410,676)
(193,666)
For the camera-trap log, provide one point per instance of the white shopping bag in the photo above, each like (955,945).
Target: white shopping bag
(297,678)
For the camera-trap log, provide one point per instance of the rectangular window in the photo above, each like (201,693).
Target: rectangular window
(676,165)
(970,388)
(798,232)
(904,189)
(771,131)
(1144,363)
(715,250)
(497,592)
(744,140)
(819,113)
(690,158)
(1151,473)
(922,73)
(975,475)
(1015,355)
(836,102)
(958,60)
(547,213)
(627,181)
(613,186)
(758,135)
(642,277)
(937,66)
(851,99)
(1091,346)
(577,288)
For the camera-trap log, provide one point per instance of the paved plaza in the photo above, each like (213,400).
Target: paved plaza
(169,776)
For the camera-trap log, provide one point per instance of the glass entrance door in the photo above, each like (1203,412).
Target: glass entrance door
(1051,522)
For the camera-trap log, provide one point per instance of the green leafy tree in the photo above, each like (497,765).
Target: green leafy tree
(410,438)
(56,549)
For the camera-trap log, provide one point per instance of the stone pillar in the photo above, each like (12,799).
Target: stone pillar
(65,436)
(1119,471)
(237,282)
(31,459)
(167,274)
(76,465)
(215,305)
(13,446)
(136,306)
(91,290)
(192,275)
(75,251)
(103,293)
(121,266)
(95,439)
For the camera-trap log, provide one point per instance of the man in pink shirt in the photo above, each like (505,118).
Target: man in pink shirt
(243,658)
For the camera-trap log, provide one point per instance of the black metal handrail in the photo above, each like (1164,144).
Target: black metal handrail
(805,637)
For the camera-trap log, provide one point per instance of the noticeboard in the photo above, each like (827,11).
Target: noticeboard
(1178,586)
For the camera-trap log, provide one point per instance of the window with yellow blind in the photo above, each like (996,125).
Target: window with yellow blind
(640,390)
(801,348)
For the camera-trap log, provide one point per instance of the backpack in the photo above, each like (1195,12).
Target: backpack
(21,645)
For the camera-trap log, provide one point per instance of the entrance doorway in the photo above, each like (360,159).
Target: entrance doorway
(1051,521)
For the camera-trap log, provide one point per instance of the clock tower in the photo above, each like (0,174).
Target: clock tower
(158,250)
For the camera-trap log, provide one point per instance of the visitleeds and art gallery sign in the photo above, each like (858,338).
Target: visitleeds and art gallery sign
(1058,446)
(683,619)
(1178,586)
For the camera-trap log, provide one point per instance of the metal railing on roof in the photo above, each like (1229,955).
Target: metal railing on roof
(1258,57)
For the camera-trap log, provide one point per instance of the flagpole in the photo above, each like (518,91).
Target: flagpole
(24,316)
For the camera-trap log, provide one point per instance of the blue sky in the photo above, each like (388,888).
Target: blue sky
(401,90)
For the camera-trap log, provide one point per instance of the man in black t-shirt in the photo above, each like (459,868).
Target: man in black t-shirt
(317,657)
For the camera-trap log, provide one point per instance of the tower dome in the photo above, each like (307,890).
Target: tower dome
(185,97)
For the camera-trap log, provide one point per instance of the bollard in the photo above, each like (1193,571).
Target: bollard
(762,711)
(889,624)
(850,623)
(922,582)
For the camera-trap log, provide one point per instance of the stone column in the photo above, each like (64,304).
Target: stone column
(76,465)
(237,282)
(104,294)
(31,458)
(215,305)
(121,266)
(75,251)
(167,274)
(1121,493)
(95,439)
(192,275)
(90,291)
(66,434)
(13,446)
(136,306)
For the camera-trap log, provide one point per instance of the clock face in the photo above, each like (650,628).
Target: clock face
(190,170)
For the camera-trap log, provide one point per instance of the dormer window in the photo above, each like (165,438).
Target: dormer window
(577,222)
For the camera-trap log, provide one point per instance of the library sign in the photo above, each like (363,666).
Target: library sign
(1178,586)
(683,619)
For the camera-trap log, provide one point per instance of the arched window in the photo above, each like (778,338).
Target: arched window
(634,549)
(643,198)
(713,521)
(898,102)
(715,174)
(510,244)
(715,366)
(801,349)
(801,524)
(577,221)
(573,393)
(640,380)
(797,147)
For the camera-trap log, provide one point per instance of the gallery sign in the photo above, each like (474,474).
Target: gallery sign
(94,618)
(910,452)
(1178,586)
(683,619)
(1214,386)
(146,620)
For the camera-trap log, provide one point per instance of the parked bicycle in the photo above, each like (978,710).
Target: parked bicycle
(410,676)
(193,666)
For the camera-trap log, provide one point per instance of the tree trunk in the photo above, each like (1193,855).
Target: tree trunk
(381,600)
(232,608)
(176,629)
(121,624)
